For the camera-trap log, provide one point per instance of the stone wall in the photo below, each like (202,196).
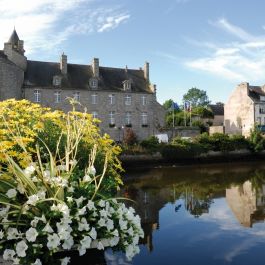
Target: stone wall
(155,112)
(216,129)
(239,112)
(11,80)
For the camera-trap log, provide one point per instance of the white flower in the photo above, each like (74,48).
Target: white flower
(68,243)
(53,241)
(11,193)
(93,233)
(63,208)
(82,211)
(90,205)
(34,222)
(69,199)
(46,174)
(79,201)
(110,224)
(81,250)
(83,225)
(86,178)
(100,245)
(71,189)
(41,195)
(4,211)
(33,199)
(115,233)
(114,241)
(101,203)
(103,213)
(37,262)
(61,167)
(29,170)
(20,188)
(16,261)
(86,242)
(47,228)
(123,224)
(31,234)
(102,222)
(91,171)
(65,261)
(9,254)
(12,233)
(130,231)
(21,248)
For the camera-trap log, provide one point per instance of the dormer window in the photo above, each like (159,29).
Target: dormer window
(127,85)
(57,80)
(93,83)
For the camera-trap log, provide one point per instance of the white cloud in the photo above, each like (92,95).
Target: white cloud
(112,22)
(45,24)
(240,60)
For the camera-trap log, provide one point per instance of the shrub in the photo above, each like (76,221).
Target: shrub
(151,143)
(256,140)
(129,137)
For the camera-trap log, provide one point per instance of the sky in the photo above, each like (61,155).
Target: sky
(209,44)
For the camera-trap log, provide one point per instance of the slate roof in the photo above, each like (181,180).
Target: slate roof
(13,38)
(40,74)
(217,109)
(255,92)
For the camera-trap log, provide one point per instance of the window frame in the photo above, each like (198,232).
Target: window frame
(37,95)
(58,97)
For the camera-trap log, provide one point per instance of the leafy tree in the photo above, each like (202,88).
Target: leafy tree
(203,112)
(168,103)
(196,97)
(256,140)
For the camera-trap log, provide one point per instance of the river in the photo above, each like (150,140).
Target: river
(198,215)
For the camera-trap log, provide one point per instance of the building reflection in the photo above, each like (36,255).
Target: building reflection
(247,203)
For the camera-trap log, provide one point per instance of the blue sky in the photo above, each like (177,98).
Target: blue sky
(211,44)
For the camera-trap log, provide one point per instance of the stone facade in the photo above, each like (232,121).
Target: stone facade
(120,98)
(244,109)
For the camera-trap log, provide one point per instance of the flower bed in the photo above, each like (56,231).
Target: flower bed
(52,205)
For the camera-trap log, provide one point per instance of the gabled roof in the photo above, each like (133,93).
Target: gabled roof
(255,92)
(40,74)
(13,38)
(217,109)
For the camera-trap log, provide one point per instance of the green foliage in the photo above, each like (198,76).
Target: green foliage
(196,97)
(203,112)
(151,143)
(167,104)
(201,125)
(256,140)
(178,119)
(222,142)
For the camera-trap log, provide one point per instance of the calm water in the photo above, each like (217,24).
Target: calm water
(199,215)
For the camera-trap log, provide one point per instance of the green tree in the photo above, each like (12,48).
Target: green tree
(196,97)
(168,103)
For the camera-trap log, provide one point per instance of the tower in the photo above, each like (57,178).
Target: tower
(14,50)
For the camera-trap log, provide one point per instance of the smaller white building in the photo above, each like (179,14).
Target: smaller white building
(244,108)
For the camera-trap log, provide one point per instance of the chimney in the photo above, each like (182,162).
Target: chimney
(63,64)
(146,71)
(95,67)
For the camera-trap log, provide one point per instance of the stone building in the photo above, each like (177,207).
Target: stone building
(244,109)
(120,97)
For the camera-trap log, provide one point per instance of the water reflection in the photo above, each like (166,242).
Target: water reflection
(209,195)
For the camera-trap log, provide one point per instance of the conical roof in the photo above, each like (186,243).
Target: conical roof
(13,38)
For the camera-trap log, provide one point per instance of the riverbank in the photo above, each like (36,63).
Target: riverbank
(211,157)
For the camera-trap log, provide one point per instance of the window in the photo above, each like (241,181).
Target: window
(258,120)
(77,96)
(111,99)
(37,96)
(94,98)
(144,100)
(128,100)
(128,117)
(94,114)
(262,109)
(57,95)
(127,85)
(93,83)
(56,80)
(144,118)
(112,117)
